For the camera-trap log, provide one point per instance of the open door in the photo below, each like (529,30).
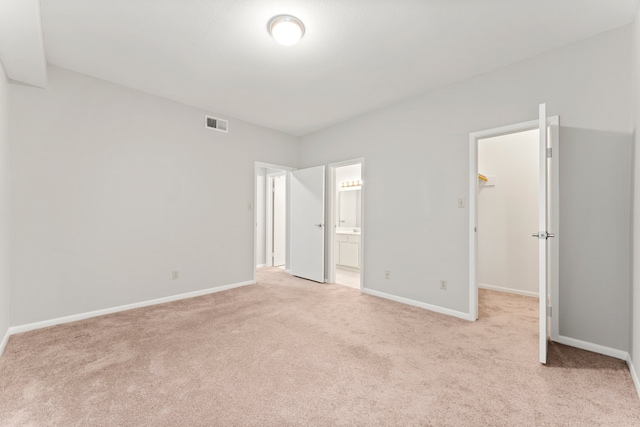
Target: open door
(307,223)
(543,235)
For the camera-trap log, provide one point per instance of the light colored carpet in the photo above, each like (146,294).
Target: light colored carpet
(292,352)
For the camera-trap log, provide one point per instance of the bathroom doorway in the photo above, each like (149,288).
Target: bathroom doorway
(347,212)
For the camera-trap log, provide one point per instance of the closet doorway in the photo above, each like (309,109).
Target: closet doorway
(508,213)
(513,208)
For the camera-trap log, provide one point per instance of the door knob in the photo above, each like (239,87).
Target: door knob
(543,235)
(319,225)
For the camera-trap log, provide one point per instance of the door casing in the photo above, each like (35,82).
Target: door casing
(553,124)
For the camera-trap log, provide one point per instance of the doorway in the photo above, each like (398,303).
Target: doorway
(345,239)
(272,229)
(276,219)
(508,213)
(548,219)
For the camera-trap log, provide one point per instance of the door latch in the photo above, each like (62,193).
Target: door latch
(543,235)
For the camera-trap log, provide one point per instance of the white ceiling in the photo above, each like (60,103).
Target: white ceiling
(356,55)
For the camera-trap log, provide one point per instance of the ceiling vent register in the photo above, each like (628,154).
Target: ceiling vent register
(215,123)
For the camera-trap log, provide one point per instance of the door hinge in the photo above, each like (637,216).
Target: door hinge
(549,153)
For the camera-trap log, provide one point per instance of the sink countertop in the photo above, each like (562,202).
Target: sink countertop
(347,230)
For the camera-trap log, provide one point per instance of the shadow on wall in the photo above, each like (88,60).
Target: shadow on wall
(595,239)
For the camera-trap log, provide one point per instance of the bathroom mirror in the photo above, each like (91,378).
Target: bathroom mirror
(349,209)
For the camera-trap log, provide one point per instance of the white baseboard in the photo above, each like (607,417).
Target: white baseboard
(261,265)
(508,290)
(434,308)
(82,316)
(4,341)
(596,348)
(634,374)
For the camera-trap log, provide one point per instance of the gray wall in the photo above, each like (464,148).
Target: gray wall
(635,350)
(417,162)
(4,205)
(113,189)
(595,222)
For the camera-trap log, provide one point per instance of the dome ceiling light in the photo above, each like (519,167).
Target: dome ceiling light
(286,29)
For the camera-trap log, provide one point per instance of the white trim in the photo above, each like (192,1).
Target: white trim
(596,348)
(82,316)
(261,265)
(508,290)
(634,374)
(554,246)
(5,340)
(273,166)
(473,220)
(331,224)
(430,307)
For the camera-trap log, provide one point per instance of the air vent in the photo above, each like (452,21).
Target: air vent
(216,124)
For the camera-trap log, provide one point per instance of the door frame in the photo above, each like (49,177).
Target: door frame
(331,222)
(287,170)
(553,124)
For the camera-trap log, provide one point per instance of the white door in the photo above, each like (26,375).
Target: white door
(307,223)
(543,234)
(279,220)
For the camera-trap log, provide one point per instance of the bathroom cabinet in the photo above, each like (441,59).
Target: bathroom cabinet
(347,251)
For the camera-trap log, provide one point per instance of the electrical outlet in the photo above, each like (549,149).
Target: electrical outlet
(461,202)
(174,274)
(443,285)
(387,274)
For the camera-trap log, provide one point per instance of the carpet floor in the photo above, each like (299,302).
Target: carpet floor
(293,352)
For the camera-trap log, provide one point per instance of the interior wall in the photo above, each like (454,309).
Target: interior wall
(508,212)
(114,189)
(418,164)
(4,207)
(635,323)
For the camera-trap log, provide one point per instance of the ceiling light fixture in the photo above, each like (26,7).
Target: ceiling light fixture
(286,29)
